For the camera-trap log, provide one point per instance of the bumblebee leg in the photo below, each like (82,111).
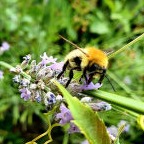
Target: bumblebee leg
(63,69)
(81,78)
(102,76)
(70,76)
(90,79)
(84,75)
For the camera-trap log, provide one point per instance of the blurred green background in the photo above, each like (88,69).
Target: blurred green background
(33,26)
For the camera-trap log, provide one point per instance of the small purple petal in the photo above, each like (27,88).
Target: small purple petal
(57,66)
(5,46)
(25,93)
(65,115)
(113,130)
(46,59)
(1,74)
(127,126)
(91,86)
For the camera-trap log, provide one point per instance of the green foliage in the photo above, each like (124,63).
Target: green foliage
(32,26)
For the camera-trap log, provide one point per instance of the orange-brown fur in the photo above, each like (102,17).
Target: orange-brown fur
(97,56)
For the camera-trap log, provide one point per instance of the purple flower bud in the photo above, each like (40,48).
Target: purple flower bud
(63,80)
(91,86)
(64,115)
(5,46)
(86,99)
(59,98)
(101,106)
(33,86)
(33,67)
(41,84)
(24,82)
(49,74)
(25,93)
(26,60)
(46,59)
(44,72)
(16,79)
(1,74)
(17,69)
(38,96)
(73,128)
(49,99)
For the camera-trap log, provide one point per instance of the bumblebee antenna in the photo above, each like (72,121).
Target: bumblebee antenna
(74,45)
(110,83)
(108,52)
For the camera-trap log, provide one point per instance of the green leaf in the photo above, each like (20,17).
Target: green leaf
(87,120)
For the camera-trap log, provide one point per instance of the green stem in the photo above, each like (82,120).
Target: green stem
(6,65)
(124,102)
(126,46)
(66,138)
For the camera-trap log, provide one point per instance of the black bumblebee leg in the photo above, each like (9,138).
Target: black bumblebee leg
(70,76)
(90,79)
(84,75)
(102,76)
(81,78)
(63,69)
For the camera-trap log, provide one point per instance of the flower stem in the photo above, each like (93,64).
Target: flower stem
(126,46)
(6,65)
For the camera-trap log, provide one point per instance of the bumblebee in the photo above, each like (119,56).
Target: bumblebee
(90,60)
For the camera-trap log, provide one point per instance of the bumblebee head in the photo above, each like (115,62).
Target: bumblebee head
(97,58)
